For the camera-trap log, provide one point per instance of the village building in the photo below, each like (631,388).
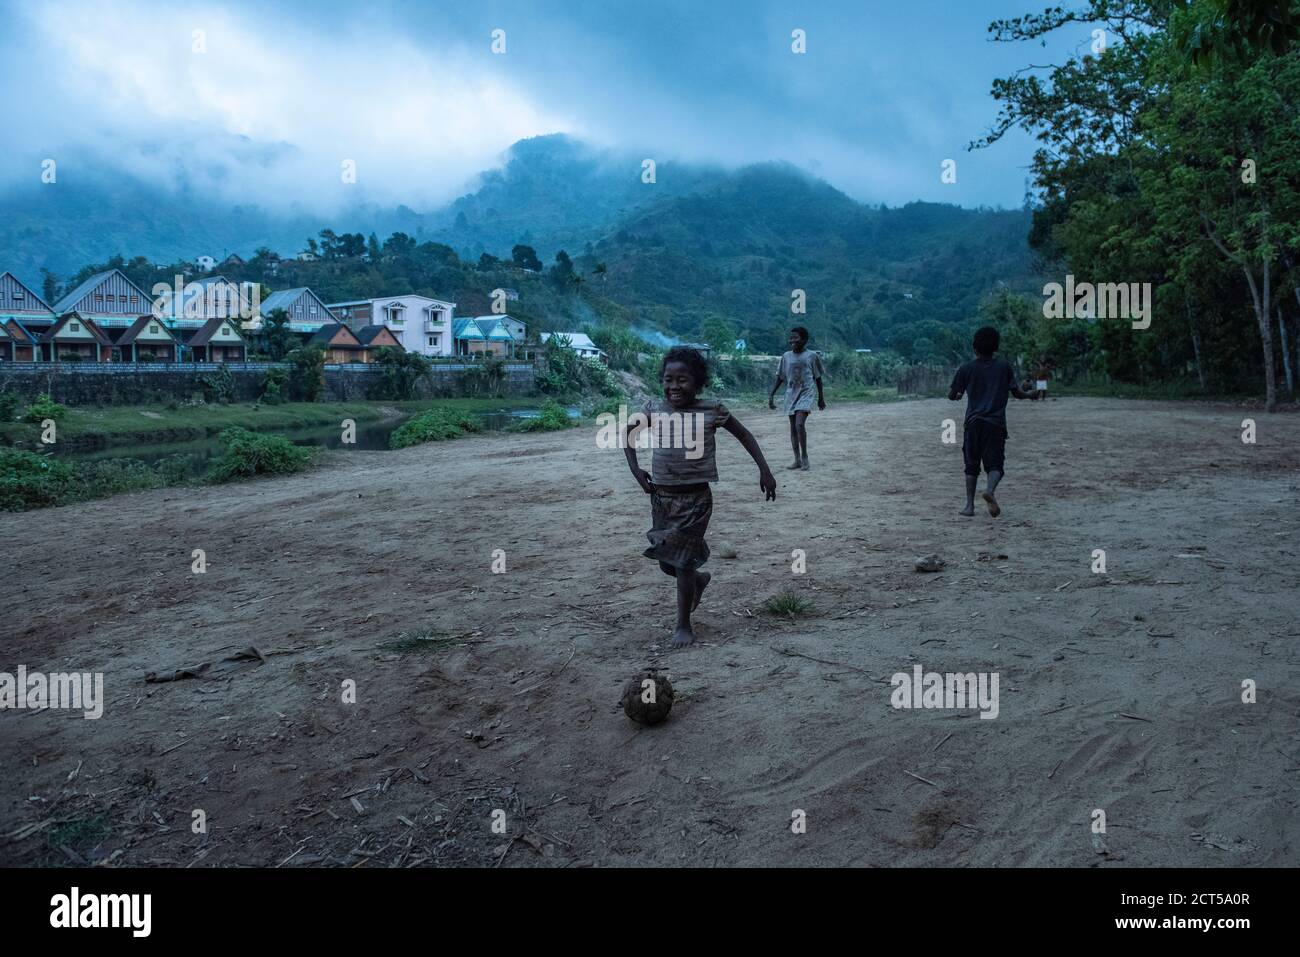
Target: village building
(375,338)
(146,340)
(205,263)
(108,298)
(421,324)
(204,299)
(23,341)
(498,335)
(233,260)
(21,307)
(580,343)
(306,312)
(75,338)
(217,340)
(340,343)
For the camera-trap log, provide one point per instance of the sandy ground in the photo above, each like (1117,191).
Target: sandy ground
(1118,691)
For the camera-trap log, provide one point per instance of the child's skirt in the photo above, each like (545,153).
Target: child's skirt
(680,517)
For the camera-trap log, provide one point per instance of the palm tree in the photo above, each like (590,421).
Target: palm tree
(577,281)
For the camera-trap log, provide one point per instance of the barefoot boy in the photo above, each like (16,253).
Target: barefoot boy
(986,383)
(800,369)
(682,466)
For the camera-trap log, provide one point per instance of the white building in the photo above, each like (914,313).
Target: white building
(205,263)
(580,343)
(421,324)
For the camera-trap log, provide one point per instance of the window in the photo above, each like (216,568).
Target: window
(18,296)
(313,310)
(74,326)
(153,327)
(99,297)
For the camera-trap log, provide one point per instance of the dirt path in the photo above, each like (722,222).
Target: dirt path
(1118,691)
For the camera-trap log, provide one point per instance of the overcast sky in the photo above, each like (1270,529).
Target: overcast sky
(286,91)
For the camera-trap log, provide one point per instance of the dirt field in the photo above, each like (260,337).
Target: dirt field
(480,691)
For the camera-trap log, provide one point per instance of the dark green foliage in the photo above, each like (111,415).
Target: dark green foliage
(10,403)
(399,373)
(28,480)
(273,386)
(553,417)
(43,408)
(435,425)
(218,386)
(306,373)
(248,454)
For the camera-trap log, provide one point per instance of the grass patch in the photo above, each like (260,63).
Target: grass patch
(435,425)
(788,604)
(553,417)
(81,835)
(248,454)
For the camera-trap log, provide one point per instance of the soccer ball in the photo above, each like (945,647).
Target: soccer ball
(647,698)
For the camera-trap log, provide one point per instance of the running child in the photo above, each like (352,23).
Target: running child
(985,382)
(681,468)
(801,369)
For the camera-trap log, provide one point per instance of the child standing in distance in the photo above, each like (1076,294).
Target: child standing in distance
(986,383)
(801,369)
(681,502)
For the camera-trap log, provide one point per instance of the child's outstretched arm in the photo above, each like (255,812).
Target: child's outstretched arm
(629,450)
(766,481)
(956,390)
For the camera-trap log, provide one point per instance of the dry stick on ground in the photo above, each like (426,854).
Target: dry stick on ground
(835,664)
(926,780)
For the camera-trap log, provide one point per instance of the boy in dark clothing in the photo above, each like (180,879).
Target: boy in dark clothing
(985,383)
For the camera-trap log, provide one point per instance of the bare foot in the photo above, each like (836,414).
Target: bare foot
(992,503)
(968,511)
(682,637)
(804,465)
(797,465)
(701,582)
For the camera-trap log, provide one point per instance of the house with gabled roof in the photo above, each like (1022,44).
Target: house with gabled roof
(420,323)
(375,338)
(74,337)
(306,312)
(204,299)
(217,340)
(109,298)
(146,340)
(499,335)
(19,303)
(339,342)
(580,343)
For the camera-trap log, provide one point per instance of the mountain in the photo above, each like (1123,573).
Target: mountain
(700,245)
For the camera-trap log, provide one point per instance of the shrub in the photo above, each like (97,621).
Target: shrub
(43,408)
(218,386)
(273,386)
(248,454)
(399,373)
(9,406)
(552,418)
(29,480)
(435,425)
(306,374)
